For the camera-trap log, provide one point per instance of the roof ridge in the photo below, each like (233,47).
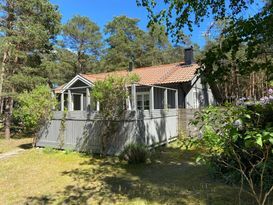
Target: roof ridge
(161,65)
(147,67)
(104,72)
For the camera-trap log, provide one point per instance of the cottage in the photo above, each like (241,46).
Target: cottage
(164,86)
(152,111)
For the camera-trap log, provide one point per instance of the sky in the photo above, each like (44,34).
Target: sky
(103,11)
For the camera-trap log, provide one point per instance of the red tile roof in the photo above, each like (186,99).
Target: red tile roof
(154,75)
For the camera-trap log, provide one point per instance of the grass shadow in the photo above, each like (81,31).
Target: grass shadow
(26,146)
(171,177)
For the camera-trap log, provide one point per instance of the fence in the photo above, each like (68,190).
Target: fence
(82,131)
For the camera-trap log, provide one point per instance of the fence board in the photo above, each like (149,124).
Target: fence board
(82,130)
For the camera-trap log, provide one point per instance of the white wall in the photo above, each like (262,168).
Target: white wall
(196,97)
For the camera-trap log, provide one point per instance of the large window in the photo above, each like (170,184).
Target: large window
(143,101)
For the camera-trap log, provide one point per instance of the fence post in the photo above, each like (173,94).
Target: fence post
(81,102)
(152,98)
(62,101)
(69,101)
(176,99)
(98,106)
(166,99)
(133,96)
(88,106)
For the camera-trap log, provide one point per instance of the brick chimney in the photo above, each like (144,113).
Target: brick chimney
(188,55)
(131,66)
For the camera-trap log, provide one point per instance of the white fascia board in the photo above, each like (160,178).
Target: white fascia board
(76,78)
(194,80)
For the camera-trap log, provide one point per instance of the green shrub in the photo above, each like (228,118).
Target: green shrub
(135,154)
(34,108)
(111,93)
(236,142)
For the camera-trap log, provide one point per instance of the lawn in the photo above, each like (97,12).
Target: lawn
(8,145)
(43,176)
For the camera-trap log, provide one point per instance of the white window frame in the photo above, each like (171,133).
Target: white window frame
(142,94)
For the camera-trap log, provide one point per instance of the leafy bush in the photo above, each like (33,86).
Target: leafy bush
(237,142)
(111,93)
(135,154)
(34,108)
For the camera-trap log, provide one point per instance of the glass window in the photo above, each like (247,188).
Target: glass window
(143,101)
(139,102)
(146,101)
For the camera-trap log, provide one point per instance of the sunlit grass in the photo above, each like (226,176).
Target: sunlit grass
(40,176)
(8,145)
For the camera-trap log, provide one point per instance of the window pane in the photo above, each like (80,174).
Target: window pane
(139,105)
(146,101)
(139,102)
(143,101)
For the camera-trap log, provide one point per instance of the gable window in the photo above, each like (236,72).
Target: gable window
(143,101)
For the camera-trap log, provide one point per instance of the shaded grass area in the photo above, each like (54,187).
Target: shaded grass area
(9,145)
(58,177)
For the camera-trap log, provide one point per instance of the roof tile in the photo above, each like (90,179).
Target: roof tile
(154,75)
(162,74)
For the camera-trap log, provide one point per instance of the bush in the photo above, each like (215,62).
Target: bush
(135,154)
(111,93)
(237,144)
(34,108)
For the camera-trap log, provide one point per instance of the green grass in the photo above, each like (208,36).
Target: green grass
(40,176)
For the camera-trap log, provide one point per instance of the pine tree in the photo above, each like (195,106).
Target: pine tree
(83,37)
(28,28)
(125,43)
(58,66)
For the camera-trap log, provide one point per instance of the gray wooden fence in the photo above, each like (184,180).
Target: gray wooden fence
(82,131)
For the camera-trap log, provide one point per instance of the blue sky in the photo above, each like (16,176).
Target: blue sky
(103,11)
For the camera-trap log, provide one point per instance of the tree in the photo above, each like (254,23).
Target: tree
(245,46)
(125,42)
(180,14)
(252,37)
(239,60)
(83,37)
(28,28)
(58,66)
(156,47)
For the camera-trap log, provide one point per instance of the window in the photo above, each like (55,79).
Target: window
(143,101)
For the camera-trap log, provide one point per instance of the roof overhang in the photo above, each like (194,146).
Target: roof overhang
(75,79)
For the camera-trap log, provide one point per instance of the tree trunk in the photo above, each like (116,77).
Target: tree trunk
(8,113)
(2,71)
(79,59)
